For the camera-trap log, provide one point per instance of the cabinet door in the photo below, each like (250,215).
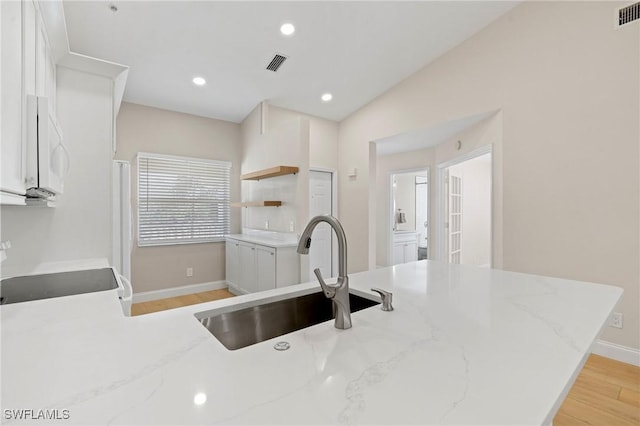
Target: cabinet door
(41,59)
(12,147)
(398,253)
(410,251)
(287,266)
(231,262)
(266,260)
(45,69)
(30,46)
(248,277)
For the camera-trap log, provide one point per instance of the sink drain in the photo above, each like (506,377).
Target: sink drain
(281,346)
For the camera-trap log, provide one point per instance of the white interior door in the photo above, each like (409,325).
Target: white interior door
(464,226)
(455,218)
(321,202)
(422,210)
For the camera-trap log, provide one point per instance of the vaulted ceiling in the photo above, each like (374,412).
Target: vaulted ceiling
(353,50)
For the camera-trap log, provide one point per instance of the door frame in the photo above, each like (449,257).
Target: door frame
(441,201)
(334,213)
(392,207)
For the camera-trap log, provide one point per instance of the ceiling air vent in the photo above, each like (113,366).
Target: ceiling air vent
(628,14)
(276,62)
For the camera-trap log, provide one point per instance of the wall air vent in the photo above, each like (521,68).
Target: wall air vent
(276,62)
(628,14)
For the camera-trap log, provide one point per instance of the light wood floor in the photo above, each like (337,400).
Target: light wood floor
(606,393)
(178,302)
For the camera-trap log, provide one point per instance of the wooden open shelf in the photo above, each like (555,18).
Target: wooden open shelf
(269,173)
(258,204)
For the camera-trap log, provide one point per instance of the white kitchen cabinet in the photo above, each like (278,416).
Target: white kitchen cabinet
(13,148)
(248,276)
(405,247)
(266,267)
(232,261)
(28,69)
(252,267)
(45,68)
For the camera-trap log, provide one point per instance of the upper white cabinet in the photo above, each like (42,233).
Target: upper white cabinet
(45,76)
(13,108)
(28,70)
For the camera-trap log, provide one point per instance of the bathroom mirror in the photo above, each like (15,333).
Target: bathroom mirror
(410,218)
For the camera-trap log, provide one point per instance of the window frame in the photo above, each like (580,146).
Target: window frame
(221,168)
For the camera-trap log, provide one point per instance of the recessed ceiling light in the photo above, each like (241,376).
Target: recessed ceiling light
(200,398)
(287,29)
(327,97)
(199,81)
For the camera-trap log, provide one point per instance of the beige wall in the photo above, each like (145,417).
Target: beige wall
(323,134)
(79,227)
(323,143)
(146,129)
(291,139)
(568,90)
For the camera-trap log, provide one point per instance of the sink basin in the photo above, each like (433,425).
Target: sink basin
(249,325)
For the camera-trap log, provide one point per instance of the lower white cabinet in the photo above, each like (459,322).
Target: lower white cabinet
(266,266)
(232,255)
(254,267)
(405,247)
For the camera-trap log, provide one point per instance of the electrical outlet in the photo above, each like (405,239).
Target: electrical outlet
(291,227)
(189,272)
(616,320)
(266,224)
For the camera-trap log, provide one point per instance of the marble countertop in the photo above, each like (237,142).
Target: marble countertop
(266,238)
(463,346)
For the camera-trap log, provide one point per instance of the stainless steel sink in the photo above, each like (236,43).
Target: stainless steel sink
(246,326)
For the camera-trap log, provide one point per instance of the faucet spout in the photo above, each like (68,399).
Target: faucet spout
(338,292)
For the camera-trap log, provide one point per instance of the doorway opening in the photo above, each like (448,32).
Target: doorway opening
(409,216)
(465,209)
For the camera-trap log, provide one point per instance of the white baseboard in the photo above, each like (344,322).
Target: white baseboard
(235,290)
(617,352)
(178,291)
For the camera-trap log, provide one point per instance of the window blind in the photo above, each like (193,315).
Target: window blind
(182,200)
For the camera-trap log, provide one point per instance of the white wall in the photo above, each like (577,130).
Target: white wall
(568,90)
(290,139)
(147,129)
(283,144)
(80,225)
(476,209)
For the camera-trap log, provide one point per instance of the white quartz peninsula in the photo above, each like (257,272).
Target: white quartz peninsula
(463,346)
